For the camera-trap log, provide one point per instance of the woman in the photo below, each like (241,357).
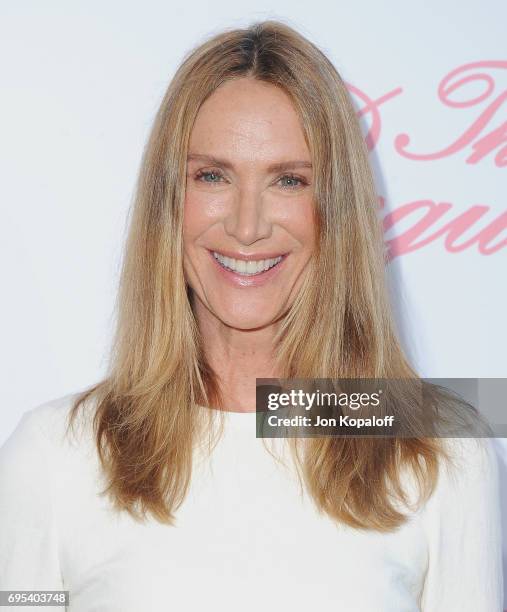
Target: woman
(254,252)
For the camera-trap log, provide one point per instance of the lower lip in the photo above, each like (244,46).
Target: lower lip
(252,280)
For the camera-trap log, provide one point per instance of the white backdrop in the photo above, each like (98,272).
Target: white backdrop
(80,86)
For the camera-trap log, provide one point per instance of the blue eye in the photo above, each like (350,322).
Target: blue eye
(292,177)
(208,173)
(215,177)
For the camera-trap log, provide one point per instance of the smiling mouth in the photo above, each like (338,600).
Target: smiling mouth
(246,268)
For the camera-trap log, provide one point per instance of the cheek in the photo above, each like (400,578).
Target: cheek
(300,223)
(200,212)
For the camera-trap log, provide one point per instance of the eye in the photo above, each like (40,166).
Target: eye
(213,174)
(294,181)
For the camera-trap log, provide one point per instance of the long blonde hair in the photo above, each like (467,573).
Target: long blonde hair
(148,410)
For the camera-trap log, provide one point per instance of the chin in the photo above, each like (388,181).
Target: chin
(245,321)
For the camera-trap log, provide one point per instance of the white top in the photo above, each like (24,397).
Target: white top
(245,538)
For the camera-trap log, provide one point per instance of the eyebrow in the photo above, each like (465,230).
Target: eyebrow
(277,167)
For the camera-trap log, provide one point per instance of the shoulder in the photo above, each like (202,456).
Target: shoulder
(462,523)
(471,460)
(42,431)
(467,482)
(44,464)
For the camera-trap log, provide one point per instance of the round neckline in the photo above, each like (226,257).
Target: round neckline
(240,420)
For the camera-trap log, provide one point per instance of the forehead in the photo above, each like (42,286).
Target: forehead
(247,118)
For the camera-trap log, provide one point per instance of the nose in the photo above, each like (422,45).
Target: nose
(247,220)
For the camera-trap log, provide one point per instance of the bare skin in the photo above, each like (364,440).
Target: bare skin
(246,208)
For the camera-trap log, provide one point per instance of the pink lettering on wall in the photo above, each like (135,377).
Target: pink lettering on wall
(488,142)
(433,221)
(439,218)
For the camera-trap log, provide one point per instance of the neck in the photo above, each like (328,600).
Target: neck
(238,357)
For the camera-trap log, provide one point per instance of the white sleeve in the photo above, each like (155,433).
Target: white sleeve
(29,557)
(463,526)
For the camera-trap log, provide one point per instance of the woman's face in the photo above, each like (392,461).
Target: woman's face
(248,218)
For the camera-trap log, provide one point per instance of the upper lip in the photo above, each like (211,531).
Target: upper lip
(249,256)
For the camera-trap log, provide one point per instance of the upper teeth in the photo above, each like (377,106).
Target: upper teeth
(246,267)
